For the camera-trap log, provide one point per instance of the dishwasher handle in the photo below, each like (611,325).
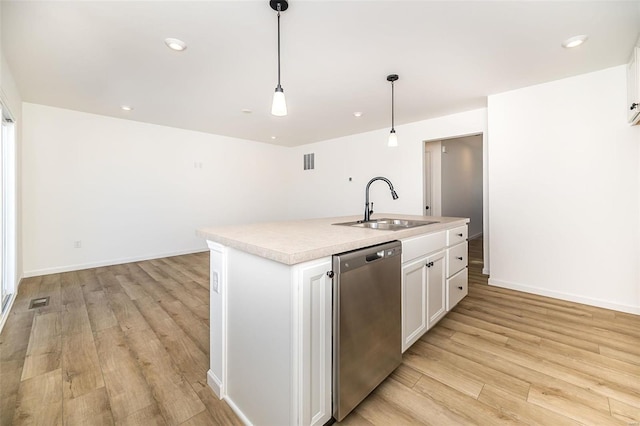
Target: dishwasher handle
(352,260)
(375,256)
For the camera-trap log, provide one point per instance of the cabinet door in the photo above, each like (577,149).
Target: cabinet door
(315,290)
(436,288)
(423,296)
(414,301)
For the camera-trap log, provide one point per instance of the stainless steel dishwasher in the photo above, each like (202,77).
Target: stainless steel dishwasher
(367,330)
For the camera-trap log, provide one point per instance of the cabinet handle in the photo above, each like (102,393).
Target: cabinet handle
(330,274)
(459,258)
(634,106)
(460,287)
(429,265)
(459,235)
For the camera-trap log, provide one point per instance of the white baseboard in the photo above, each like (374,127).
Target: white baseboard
(215,384)
(238,412)
(69,268)
(473,237)
(566,296)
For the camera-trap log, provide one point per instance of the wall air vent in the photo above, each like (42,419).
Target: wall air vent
(309,161)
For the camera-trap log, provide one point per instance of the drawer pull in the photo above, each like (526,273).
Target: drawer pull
(429,265)
(459,258)
(459,287)
(459,235)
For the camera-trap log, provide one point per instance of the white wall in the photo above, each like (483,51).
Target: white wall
(129,190)
(327,191)
(462,180)
(564,191)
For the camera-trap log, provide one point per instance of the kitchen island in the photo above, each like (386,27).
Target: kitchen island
(271,318)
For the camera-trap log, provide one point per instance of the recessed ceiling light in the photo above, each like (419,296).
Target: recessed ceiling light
(175,44)
(357,114)
(126,108)
(246,110)
(574,41)
(273,137)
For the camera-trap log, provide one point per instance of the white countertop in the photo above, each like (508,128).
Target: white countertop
(300,241)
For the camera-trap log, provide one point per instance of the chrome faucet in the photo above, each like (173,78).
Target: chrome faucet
(368,212)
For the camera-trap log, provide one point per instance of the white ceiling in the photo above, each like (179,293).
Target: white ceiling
(95,56)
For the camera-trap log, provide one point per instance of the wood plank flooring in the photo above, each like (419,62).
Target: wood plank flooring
(125,344)
(129,344)
(506,357)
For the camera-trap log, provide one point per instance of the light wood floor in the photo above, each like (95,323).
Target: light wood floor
(503,356)
(129,344)
(125,344)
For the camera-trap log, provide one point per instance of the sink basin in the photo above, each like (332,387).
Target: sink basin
(387,224)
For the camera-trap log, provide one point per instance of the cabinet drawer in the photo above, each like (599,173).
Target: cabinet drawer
(456,258)
(457,288)
(412,248)
(457,235)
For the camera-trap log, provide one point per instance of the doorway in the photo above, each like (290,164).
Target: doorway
(455,185)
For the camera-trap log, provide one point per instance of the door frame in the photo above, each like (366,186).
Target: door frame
(485,188)
(8,218)
(427,209)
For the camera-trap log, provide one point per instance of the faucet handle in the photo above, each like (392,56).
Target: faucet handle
(371,210)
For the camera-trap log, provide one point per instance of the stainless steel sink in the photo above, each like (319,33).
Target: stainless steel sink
(387,224)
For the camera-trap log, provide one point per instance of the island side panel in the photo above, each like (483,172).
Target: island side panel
(217,307)
(258,339)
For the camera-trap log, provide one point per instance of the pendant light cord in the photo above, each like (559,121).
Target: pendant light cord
(392,108)
(278,44)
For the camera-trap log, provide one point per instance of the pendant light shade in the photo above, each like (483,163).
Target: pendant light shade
(393,138)
(279,104)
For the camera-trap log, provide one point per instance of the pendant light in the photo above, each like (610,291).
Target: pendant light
(279,105)
(393,138)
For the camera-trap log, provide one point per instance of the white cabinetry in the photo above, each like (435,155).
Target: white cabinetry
(423,296)
(433,269)
(414,301)
(457,260)
(314,337)
(633,87)
(271,337)
(271,324)
(457,288)
(436,292)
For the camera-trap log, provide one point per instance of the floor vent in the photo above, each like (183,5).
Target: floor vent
(39,302)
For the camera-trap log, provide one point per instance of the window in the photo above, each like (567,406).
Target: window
(7,209)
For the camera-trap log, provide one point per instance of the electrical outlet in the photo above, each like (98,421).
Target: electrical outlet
(215,282)
(77,244)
